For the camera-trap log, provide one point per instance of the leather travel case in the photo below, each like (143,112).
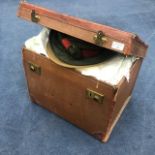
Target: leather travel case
(88,103)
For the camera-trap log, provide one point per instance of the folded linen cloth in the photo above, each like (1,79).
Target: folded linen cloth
(110,71)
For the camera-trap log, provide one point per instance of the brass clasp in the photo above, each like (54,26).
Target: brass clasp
(94,96)
(34,68)
(99,38)
(35,17)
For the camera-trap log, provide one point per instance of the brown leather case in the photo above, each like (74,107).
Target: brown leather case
(92,105)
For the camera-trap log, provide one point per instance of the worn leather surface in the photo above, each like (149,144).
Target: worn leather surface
(28,129)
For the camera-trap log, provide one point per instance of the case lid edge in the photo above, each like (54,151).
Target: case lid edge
(133,45)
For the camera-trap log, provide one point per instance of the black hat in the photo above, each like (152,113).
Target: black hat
(73,53)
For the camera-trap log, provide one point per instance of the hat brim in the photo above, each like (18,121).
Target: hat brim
(54,58)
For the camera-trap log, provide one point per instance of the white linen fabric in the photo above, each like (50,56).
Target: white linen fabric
(38,43)
(110,71)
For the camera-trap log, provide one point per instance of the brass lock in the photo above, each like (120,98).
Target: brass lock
(34,68)
(99,38)
(35,17)
(94,96)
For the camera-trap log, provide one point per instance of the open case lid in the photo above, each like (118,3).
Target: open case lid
(105,36)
